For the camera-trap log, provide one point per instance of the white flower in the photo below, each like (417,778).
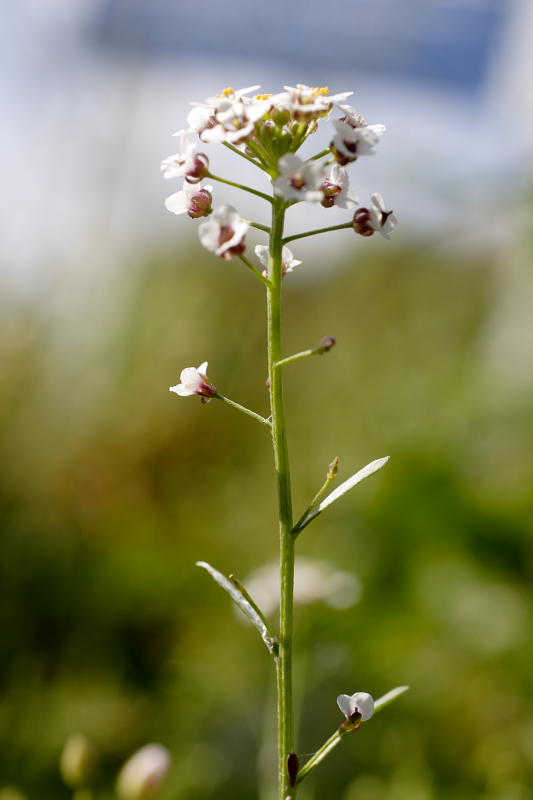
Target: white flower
(195,381)
(192,200)
(336,189)
(299,180)
(223,233)
(176,165)
(356,120)
(360,703)
(378,218)
(349,143)
(288,262)
(228,117)
(308,102)
(143,774)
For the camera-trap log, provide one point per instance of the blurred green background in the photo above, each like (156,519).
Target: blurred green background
(113,487)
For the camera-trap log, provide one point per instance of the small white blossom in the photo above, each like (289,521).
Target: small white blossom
(195,381)
(223,233)
(143,774)
(228,117)
(192,200)
(299,180)
(349,143)
(356,120)
(176,165)
(360,703)
(288,262)
(308,102)
(378,218)
(336,189)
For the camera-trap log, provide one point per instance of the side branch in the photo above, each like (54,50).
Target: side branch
(288,239)
(249,189)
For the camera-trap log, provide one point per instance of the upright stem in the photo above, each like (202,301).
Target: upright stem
(281,462)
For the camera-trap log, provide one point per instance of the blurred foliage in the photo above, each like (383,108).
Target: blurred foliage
(112,488)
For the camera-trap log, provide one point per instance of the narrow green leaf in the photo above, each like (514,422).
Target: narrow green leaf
(245,603)
(359,476)
(388,698)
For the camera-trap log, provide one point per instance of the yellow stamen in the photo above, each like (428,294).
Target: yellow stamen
(263,96)
(228,92)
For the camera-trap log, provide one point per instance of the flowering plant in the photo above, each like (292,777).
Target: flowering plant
(268,130)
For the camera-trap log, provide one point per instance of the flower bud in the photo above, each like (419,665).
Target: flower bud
(280,116)
(199,169)
(143,774)
(331,190)
(362,222)
(326,344)
(77,761)
(200,204)
(268,130)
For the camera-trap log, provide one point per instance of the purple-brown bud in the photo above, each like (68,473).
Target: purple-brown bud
(326,344)
(200,204)
(362,222)
(199,170)
(331,190)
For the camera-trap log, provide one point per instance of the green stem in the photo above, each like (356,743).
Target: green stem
(243,155)
(244,410)
(259,227)
(321,754)
(256,271)
(330,477)
(288,239)
(281,462)
(240,186)
(320,155)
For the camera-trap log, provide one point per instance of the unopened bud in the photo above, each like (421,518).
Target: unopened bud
(333,469)
(293,767)
(77,761)
(144,773)
(326,344)
(362,222)
(200,204)
(199,170)
(280,116)
(268,130)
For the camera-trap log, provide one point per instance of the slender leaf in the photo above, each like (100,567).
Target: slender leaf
(385,699)
(359,476)
(245,603)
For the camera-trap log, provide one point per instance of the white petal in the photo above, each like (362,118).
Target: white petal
(261,251)
(180,389)
(202,369)
(344,703)
(378,201)
(363,703)
(177,203)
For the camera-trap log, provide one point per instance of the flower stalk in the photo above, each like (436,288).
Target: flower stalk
(268,130)
(281,463)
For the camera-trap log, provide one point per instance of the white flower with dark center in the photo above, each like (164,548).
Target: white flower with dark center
(356,120)
(223,233)
(192,200)
(299,180)
(195,381)
(308,102)
(228,117)
(288,262)
(143,774)
(356,706)
(349,143)
(336,189)
(366,221)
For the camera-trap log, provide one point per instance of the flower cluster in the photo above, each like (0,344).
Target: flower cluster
(269,129)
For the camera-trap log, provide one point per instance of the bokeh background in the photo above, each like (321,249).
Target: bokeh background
(112,487)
